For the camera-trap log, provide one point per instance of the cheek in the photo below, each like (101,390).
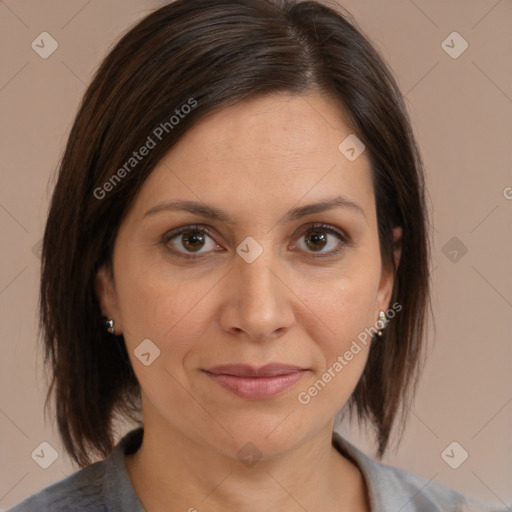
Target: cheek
(164,310)
(145,300)
(338,312)
(170,307)
(336,323)
(154,306)
(342,307)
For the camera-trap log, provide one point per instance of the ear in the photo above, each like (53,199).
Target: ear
(388,276)
(107,295)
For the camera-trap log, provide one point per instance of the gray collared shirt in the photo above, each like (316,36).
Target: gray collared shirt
(105,486)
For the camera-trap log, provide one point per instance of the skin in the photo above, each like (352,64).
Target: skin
(254,160)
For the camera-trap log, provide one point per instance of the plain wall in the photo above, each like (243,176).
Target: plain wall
(461,109)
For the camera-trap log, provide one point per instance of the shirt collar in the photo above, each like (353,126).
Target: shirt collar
(118,490)
(381,485)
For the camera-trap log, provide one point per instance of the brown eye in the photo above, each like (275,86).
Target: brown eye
(318,237)
(316,240)
(192,240)
(187,240)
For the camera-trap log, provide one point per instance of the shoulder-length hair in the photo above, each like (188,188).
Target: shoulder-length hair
(212,54)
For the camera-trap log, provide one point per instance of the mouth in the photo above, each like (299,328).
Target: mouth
(256,383)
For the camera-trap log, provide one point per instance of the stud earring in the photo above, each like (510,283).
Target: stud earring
(109,326)
(382,321)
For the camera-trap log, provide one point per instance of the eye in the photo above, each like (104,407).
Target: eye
(316,238)
(189,239)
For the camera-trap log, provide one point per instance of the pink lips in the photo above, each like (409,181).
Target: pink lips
(249,382)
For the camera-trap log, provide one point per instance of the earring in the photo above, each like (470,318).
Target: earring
(383,322)
(109,325)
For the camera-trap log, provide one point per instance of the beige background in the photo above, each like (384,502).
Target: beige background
(462,113)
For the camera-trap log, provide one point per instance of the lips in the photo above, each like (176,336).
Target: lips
(260,383)
(244,370)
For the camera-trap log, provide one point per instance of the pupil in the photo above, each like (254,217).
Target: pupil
(190,241)
(316,237)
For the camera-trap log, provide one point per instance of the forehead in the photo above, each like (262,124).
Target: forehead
(260,154)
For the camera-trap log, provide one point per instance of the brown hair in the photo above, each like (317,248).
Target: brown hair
(218,52)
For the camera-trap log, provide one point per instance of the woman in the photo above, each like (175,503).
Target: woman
(241,210)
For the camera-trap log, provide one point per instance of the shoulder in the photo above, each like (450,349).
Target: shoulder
(392,488)
(80,491)
(416,494)
(104,486)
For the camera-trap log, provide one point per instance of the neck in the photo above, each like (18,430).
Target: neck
(172,472)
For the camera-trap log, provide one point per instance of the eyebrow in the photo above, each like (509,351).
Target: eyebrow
(211,212)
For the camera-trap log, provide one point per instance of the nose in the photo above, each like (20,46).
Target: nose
(259,301)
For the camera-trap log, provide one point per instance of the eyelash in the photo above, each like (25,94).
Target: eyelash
(344,239)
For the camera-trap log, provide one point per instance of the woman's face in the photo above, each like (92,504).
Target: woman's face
(261,286)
